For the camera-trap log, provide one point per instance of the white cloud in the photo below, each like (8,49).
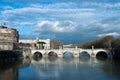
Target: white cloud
(8,8)
(49,13)
(62,5)
(109,34)
(56,26)
(107,5)
(66,20)
(26,24)
(56,12)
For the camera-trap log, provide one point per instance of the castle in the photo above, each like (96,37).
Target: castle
(8,38)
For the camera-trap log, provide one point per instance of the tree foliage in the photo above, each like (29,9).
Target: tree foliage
(104,42)
(41,42)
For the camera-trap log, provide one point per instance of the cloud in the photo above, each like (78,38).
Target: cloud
(109,34)
(67,21)
(69,30)
(8,7)
(56,26)
(38,1)
(107,5)
(54,12)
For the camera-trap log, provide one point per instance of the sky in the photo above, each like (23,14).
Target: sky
(70,21)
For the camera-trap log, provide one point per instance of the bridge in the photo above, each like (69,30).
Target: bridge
(76,52)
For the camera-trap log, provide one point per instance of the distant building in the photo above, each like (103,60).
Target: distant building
(8,38)
(40,44)
(35,44)
(56,44)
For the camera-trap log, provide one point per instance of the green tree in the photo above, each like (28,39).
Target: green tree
(41,44)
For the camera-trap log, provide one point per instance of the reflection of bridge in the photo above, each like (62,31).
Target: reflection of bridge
(76,52)
(61,69)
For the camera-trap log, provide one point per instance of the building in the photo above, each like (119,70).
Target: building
(8,38)
(40,44)
(56,44)
(35,44)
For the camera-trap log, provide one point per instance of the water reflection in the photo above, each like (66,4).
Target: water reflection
(52,58)
(9,70)
(61,69)
(91,69)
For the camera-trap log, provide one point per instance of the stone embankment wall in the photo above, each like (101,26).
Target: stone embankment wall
(8,38)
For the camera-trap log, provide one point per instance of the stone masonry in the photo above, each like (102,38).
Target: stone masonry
(8,38)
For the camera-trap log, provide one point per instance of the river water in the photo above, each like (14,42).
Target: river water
(61,69)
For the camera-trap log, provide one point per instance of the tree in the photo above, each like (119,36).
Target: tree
(104,42)
(41,44)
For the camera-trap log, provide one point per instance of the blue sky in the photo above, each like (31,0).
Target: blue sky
(71,21)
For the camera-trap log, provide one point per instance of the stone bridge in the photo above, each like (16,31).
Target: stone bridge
(76,52)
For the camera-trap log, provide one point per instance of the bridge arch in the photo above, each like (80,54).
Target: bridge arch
(52,54)
(68,54)
(84,55)
(37,55)
(101,54)
(72,52)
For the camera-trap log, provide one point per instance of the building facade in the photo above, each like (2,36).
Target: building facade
(56,44)
(35,44)
(8,38)
(40,44)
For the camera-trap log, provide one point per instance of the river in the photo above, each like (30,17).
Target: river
(61,69)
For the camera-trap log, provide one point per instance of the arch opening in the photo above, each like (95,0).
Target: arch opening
(37,56)
(68,55)
(101,55)
(52,56)
(84,55)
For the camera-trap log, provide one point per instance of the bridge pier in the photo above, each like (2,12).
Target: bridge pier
(60,54)
(76,54)
(92,52)
(45,55)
